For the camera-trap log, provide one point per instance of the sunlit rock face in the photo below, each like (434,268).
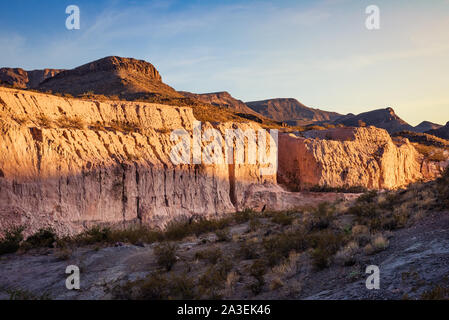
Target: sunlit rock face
(71,163)
(345,157)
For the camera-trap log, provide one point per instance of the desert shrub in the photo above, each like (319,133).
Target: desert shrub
(182,287)
(95,234)
(180,230)
(346,255)
(282,218)
(44,121)
(322,216)
(215,276)
(157,286)
(154,287)
(19,294)
(443,189)
(244,216)
(344,189)
(380,243)
(166,255)
(223,235)
(125,126)
(248,251)
(71,122)
(254,224)
(44,238)
(278,247)
(325,244)
(438,292)
(211,255)
(257,270)
(10,242)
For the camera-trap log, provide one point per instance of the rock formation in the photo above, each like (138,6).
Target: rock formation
(70,163)
(20,78)
(442,132)
(344,157)
(125,77)
(426,126)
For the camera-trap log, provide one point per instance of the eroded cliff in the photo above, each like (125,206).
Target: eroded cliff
(345,157)
(70,163)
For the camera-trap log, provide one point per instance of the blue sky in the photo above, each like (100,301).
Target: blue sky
(316,51)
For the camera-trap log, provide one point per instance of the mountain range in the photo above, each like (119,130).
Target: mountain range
(132,79)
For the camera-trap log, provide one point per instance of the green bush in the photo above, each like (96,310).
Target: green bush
(282,218)
(44,238)
(166,255)
(10,243)
(278,247)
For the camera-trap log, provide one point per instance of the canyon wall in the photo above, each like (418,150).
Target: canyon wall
(345,157)
(71,163)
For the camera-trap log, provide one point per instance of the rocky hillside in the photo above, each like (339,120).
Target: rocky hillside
(442,132)
(19,78)
(382,118)
(124,77)
(308,253)
(347,157)
(223,100)
(426,126)
(290,110)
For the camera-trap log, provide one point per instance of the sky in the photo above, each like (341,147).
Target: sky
(317,51)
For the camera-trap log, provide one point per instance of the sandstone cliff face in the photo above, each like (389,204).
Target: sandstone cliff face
(343,157)
(70,163)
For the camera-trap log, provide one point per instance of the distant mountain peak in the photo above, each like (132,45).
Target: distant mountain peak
(382,118)
(115,63)
(290,109)
(127,78)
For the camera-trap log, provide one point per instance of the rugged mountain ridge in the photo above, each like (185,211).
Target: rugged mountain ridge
(127,78)
(221,99)
(442,132)
(426,126)
(290,110)
(382,118)
(20,78)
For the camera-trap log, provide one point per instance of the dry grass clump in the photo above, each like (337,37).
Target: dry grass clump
(124,126)
(157,286)
(44,121)
(346,255)
(71,122)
